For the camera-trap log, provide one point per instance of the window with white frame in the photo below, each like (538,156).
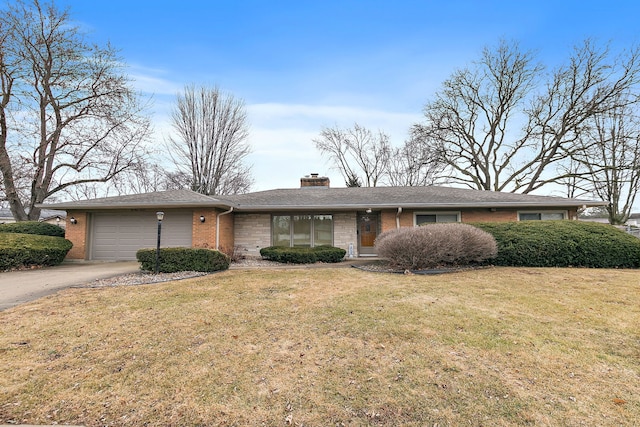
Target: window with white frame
(541,215)
(421,218)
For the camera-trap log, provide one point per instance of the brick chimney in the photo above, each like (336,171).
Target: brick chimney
(314,181)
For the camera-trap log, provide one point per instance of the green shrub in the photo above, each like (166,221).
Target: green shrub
(183,259)
(32,227)
(24,250)
(300,255)
(563,244)
(433,245)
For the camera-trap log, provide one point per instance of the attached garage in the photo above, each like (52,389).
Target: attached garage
(117,235)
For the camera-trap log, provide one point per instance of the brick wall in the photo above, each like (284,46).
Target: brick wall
(77,234)
(252,231)
(486,215)
(203,234)
(227,229)
(388,219)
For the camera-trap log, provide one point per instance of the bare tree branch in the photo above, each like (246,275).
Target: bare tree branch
(610,157)
(500,127)
(68,116)
(357,153)
(415,164)
(209,145)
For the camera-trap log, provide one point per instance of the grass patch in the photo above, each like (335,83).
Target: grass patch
(494,347)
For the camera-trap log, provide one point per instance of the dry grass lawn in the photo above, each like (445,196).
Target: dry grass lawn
(331,347)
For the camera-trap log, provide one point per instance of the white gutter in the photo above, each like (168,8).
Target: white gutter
(398,217)
(218,226)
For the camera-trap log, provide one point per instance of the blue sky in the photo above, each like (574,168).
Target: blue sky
(301,65)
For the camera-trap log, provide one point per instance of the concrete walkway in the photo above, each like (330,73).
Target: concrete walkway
(17,287)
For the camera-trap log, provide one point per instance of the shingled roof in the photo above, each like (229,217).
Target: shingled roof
(318,198)
(429,197)
(157,199)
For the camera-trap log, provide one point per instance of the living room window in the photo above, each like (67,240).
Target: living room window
(433,217)
(542,215)
(302,230)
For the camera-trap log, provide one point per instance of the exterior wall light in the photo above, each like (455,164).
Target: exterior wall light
(202,218)
(73,221)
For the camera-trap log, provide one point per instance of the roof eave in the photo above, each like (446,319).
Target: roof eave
(155,205)
(361,206)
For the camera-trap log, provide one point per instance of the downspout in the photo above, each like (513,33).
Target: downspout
(218,226)
(398,217)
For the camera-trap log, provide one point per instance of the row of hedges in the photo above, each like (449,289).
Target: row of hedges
(300,255)
(33,227)
(524,244)
(172,260)
(563,244)
(24,250)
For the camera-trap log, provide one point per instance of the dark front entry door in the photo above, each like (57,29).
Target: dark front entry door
(367,233)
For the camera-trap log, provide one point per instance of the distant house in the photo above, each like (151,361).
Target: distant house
(46,215)
(114,228)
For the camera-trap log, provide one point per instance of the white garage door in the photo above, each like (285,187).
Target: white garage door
(118,235)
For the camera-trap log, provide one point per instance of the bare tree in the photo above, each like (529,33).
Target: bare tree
(210,145)
(573,179)
(501,127)
(415,164)
(67,113)
(609,154)
(358,154)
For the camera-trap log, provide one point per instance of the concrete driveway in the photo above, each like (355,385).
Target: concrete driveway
(17,287)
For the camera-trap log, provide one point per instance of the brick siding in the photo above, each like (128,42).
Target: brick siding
(203,234)
(77,234)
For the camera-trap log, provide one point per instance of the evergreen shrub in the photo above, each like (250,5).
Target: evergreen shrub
(303,255)
(32,227)
(18,250)
(563,244)
(172,260)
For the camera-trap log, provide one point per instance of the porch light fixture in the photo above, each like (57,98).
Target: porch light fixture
(160,216)
(58,220)
(73,221)
(202,218)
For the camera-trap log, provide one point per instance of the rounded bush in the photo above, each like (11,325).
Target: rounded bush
(435,245)
(25,250)
(32,227)
(172,260)
(563,244)
(300,255)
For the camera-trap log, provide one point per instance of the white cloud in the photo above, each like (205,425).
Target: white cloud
(154,85)
(150,80)
(282,138)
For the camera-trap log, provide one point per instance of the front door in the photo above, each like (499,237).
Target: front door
(367,233)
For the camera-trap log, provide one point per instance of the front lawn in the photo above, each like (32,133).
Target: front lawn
(331,347)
